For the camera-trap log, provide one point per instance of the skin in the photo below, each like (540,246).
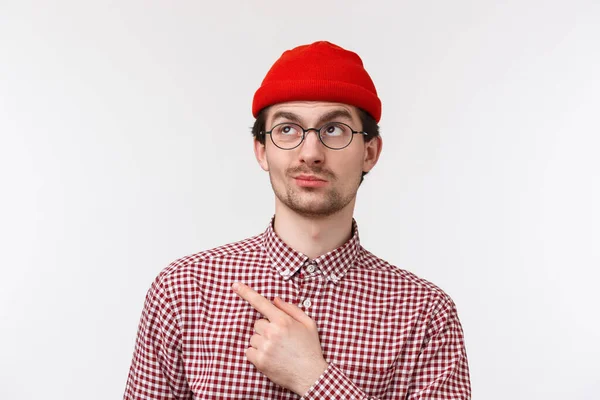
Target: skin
(313,220)
(285,346)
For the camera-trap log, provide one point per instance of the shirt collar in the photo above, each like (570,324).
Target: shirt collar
(287,261)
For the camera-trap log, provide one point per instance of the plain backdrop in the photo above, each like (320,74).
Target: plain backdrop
(125,144)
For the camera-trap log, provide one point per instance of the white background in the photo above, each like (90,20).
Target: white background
(125,144)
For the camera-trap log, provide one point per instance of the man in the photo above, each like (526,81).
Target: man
(302,310)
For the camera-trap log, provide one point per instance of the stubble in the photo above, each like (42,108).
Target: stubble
(313,202)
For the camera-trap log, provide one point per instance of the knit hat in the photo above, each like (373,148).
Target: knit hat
(320,71)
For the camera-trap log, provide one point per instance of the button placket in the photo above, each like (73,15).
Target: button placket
(309,292)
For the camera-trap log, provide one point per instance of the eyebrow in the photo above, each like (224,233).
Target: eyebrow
(286,115)
(329,116)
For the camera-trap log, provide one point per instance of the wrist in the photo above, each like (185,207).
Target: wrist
(310,378)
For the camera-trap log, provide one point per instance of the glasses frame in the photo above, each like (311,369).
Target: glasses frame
(317,130)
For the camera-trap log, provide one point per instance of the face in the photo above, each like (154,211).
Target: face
(313,180)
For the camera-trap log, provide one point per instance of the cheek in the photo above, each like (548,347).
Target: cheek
(277,164)
(349,168)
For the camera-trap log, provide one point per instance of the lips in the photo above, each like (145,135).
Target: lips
(310,181)
(309,178)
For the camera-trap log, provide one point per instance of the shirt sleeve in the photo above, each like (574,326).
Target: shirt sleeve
(157,371)
(441,370)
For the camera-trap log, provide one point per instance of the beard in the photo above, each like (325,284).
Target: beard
(312,202)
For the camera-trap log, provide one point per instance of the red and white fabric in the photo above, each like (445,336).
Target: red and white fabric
(385,333)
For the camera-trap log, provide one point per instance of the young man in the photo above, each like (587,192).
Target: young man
(302,310)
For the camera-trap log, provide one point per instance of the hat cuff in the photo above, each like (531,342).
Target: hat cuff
(316,90)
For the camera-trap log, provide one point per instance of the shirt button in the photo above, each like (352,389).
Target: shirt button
(307,303)
(311,268)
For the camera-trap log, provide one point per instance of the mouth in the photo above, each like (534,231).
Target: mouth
(309,181)
(309,178)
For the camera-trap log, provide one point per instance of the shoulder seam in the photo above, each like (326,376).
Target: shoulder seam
(245,246)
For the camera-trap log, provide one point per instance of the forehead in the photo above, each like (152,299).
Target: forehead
(311,111)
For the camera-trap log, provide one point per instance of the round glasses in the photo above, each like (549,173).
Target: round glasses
(334,135)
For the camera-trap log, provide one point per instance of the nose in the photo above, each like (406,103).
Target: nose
(312,151)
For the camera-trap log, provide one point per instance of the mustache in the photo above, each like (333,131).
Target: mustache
(318,171)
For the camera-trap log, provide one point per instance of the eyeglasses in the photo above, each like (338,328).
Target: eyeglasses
(334,135)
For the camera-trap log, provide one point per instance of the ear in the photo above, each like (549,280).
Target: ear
(372,152)
(260,151)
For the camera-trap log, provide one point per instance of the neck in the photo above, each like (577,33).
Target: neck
(313,236)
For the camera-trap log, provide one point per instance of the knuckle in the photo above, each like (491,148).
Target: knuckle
(272,333)
(260,361)
(248,353)
(286,322)
(291,324)
(267,348)
(277,332)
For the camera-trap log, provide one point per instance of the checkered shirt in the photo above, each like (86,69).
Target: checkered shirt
(385,333)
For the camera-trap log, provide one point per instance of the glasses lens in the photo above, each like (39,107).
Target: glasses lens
(287,136)
(336,135)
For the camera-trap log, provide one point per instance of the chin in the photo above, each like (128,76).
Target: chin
(315,208)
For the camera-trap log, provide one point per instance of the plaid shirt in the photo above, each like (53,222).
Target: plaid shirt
(384,332)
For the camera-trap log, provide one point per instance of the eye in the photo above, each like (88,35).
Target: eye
(334,129)
(288,130)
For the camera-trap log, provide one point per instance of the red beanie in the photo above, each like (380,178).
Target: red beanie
(320,71)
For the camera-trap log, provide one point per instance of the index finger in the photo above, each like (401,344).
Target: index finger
(256,300)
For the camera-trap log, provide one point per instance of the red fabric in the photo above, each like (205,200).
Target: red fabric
(319,71)
(384,332)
